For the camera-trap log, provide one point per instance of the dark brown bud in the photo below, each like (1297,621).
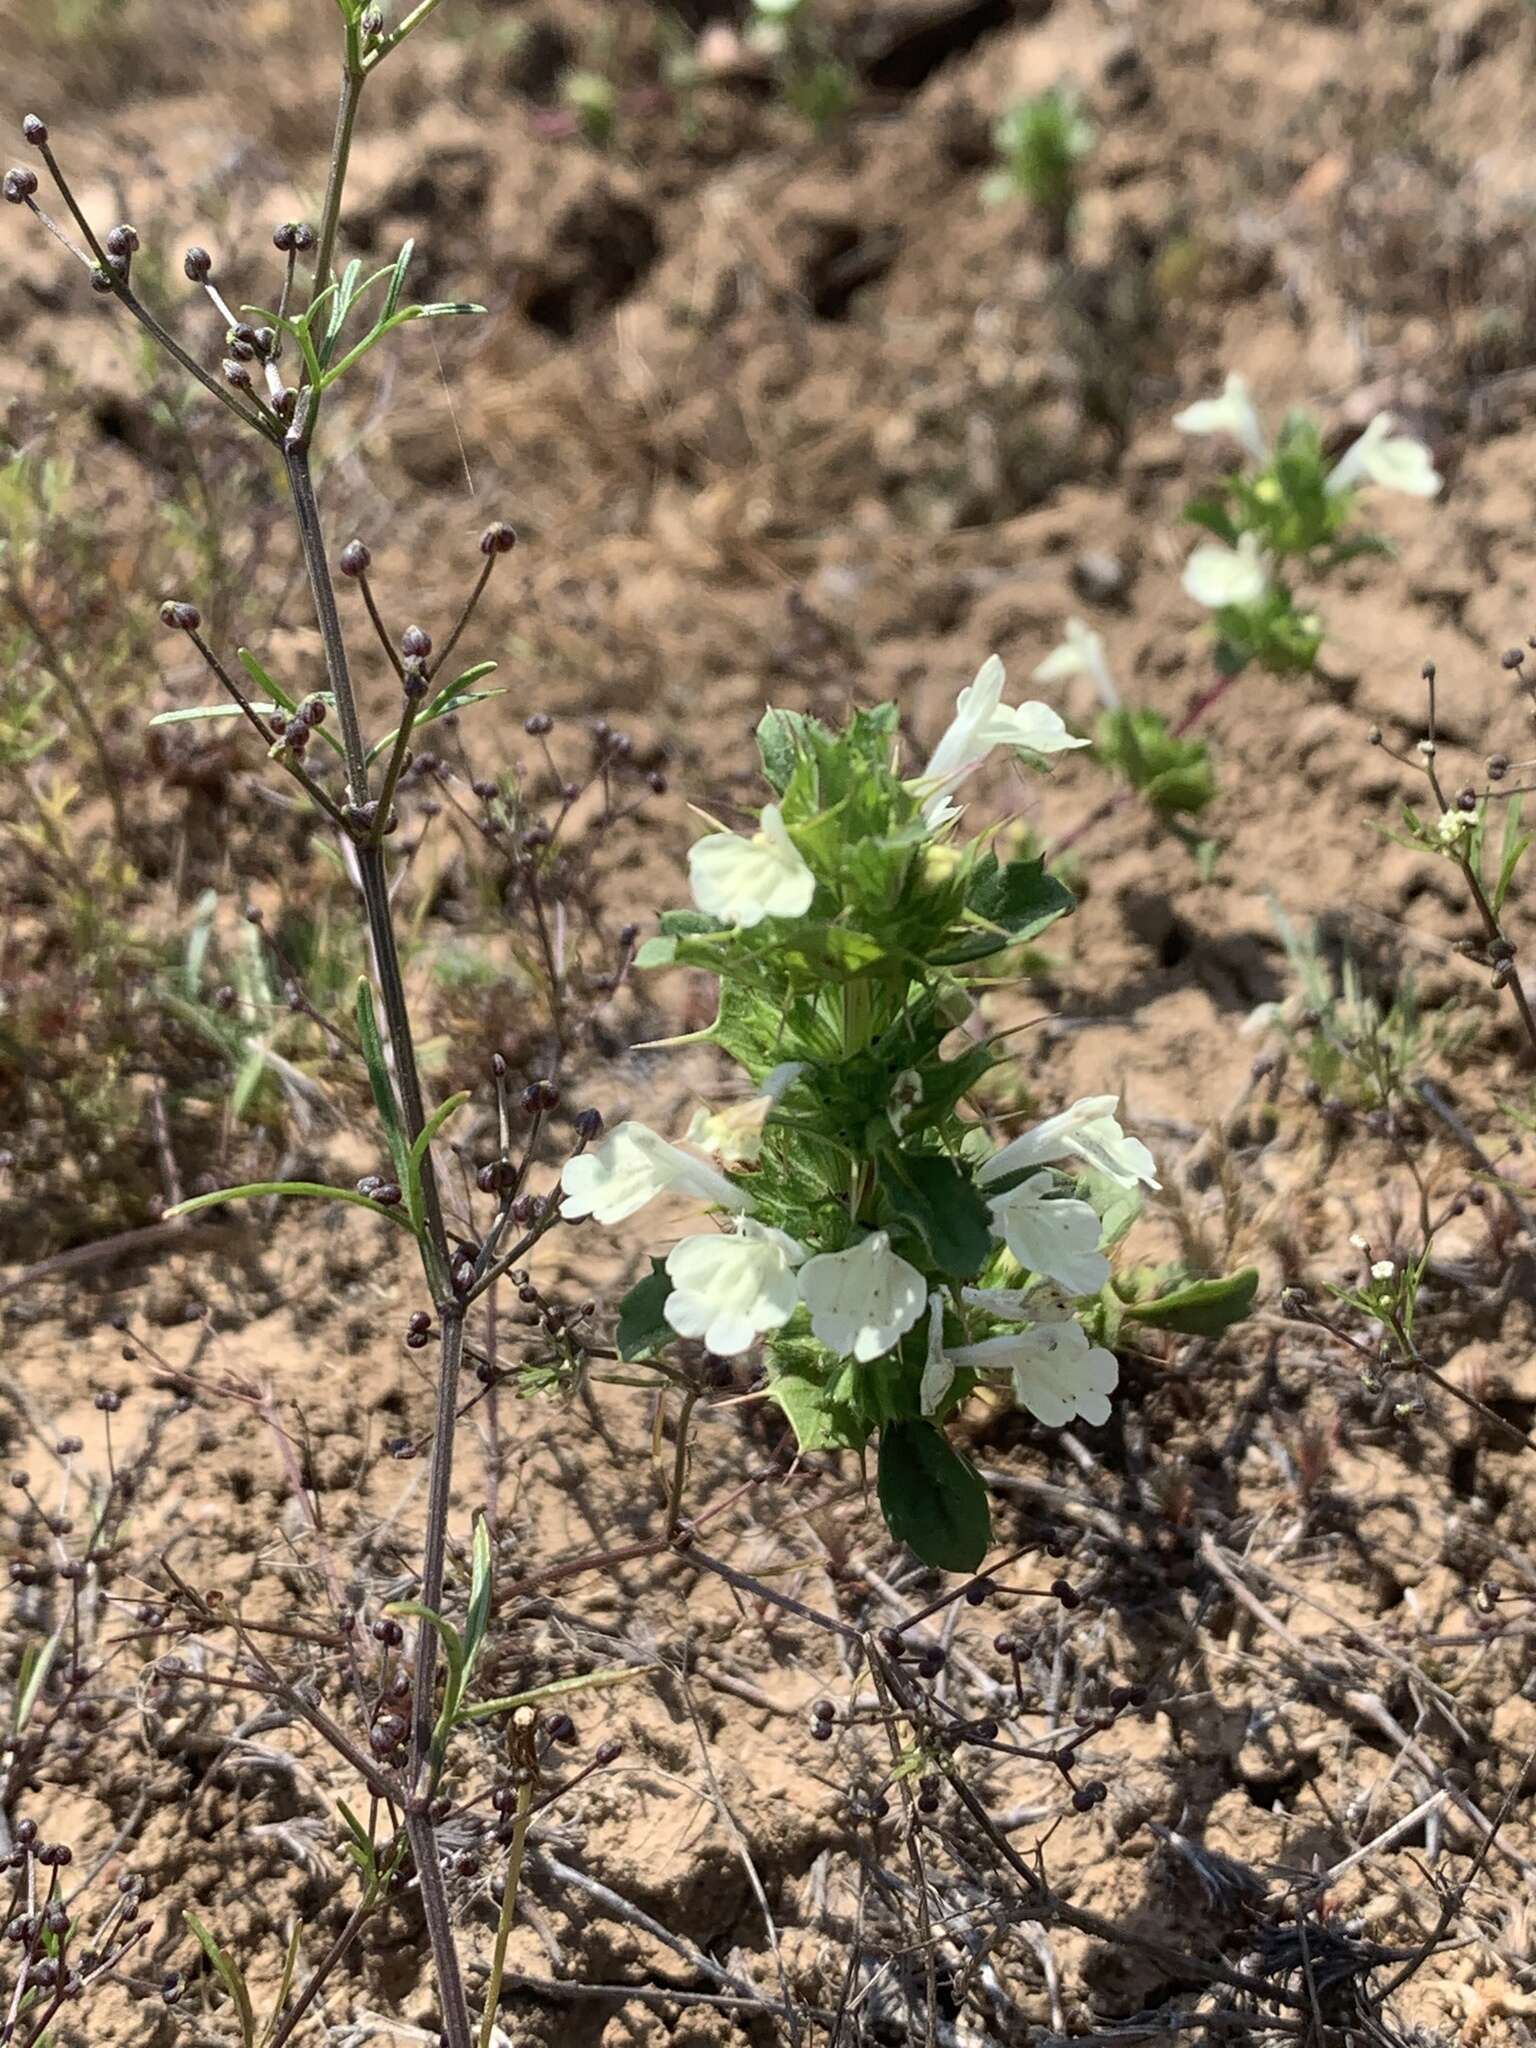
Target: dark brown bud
(180,617)
(499,539)
(35,130)
(19,185)
(355,559)
(121,242)
(415,644)
(198,265)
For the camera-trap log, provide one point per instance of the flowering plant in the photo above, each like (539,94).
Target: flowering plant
(1290,508)
(864,1230)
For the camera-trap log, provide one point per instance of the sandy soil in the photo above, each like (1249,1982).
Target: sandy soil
(805,421)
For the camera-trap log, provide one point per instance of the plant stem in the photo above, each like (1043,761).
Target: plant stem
(508,1912)
(434,1901)
(341,154)
(435,1551)
(290,2021)
(301,484)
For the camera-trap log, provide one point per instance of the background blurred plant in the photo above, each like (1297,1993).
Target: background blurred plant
(1289,513)
(1172,773)
(1042,144)
(813,79)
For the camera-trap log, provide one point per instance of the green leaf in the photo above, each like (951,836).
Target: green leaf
(477,1619)
(188,713)
(290,1965)
(933,1501)
(418,1153)
(381,1084)
(230,1976)
(642,1326)
(935,1197)
(1015,903)
(280,697)
(315,1190)
(1204,1308)
(780,742)
(657,952)
(36,1660)
(397,280)
(821,1420)
(558,1688)
(454,696)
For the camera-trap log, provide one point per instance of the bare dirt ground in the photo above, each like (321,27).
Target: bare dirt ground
(804,421)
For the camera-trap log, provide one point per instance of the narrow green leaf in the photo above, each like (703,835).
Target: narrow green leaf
(558,1688)
(315,1190)
(481,1577)
(36,1661)
(418,1152)
(443,705)
(397,279)
(280,697)
(188,713)
(252,1071)
(229,1975)
(290,1965)
(1202,1309)
(933,1501)
(381,1084)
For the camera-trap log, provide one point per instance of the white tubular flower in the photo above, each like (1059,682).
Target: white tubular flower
(1081,653)
(730,1287)
(741,881)
(630,1167)
(1395,461)
(939,1371)
(1057,1237)
(1089,1132)
(862,1301)
(1058,1375)
(734,1135)
(1217,576)
(982,721)
(1233,413)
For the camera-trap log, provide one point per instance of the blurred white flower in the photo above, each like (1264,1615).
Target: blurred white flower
(1058,1374)
(1054,1236)
(1383,1270)
(862,1301)
(734,1135)
(728,1287)
(1081,653)
(630,1167)
(1090,1132)
(982,721)
(1216,575)
(1233,413)
(939,1371)
(741,881)
(1395,461)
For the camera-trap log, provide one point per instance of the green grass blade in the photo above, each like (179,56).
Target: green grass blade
(383,1087)
(230,1976)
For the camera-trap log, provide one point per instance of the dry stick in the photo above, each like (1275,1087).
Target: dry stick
(292,2019)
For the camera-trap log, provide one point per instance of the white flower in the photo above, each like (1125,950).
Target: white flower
(1058,1237)
(630,1167)
(1089,1132)
(741,881)
(1454,826)
(939,1371)
(1395,461)
(1216,575)
(1081,653)
(1058,1375)
(729,1287)
(734,1135)
(981,722)
(1233,413)
(1383,1270)
(862,1300)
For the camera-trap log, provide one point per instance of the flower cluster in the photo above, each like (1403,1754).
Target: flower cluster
(863,1228)
(1292,508)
